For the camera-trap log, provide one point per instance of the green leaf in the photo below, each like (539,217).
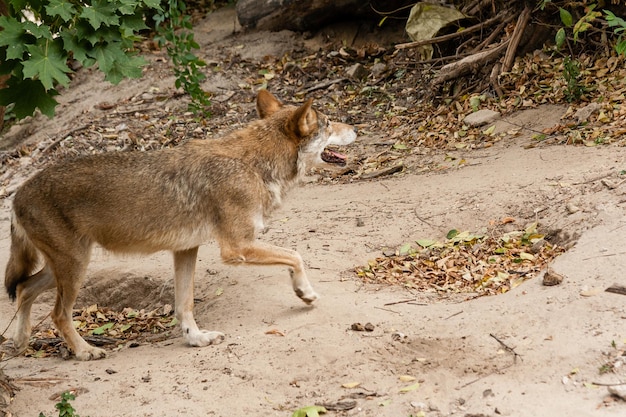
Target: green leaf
(47,63)
(425,243)
(452,233)
(28,95)
(102,329)
(133,23)
(101,12)
(404,249)
(64,9)
(310,411)
(115,63)
(12,36)
(78,47)
(127,67)
(153,4)
(566,17)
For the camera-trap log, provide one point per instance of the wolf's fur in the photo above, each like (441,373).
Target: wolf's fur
(173,199)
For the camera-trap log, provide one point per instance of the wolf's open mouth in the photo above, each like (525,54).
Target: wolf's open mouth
(333,157)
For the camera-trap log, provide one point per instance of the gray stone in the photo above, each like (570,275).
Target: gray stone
(357,71)
(481,117)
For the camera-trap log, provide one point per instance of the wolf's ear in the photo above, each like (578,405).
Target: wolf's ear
(304,120)
(267,104)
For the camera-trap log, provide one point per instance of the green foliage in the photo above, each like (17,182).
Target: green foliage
(619,28)
(586,22)
(39,37)
(64,406)
(571,73)
(175,33)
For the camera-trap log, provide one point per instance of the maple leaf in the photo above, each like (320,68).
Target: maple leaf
(64,9)
(47,63)
(100,12)
(12,36)
(28,95)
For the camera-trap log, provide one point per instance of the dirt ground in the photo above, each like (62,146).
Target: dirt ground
(280,355)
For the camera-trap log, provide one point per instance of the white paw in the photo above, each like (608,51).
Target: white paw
(308,296)
(21,342)
(204,338)
(90,353)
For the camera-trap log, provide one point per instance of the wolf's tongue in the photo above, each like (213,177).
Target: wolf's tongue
(333,157)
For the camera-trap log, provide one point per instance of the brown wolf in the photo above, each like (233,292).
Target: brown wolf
(173,199)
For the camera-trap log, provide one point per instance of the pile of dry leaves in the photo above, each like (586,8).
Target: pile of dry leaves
(477,264)
(106,327)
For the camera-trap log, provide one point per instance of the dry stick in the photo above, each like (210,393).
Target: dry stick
(520,27)
(400,302)
(455,314)
(507,348)
(324,84)
(606,255)
(604,384)
(491,38)
(484,376)
(617,289)
(454,35)
(465,65)
(62,138)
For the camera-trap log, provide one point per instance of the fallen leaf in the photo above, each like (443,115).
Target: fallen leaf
(310,411)
(351,384)
(406,378)
(410,388)
(276,332)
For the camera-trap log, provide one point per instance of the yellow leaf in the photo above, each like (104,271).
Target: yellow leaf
(351,384)
(410,388)
(406,378)
(489,131)
(526,256)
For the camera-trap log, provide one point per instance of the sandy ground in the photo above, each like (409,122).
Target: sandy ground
(560,334)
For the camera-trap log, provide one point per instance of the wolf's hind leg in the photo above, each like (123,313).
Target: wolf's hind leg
(184,272)
(27,293)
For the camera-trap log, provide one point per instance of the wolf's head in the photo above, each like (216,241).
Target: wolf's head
(312,130)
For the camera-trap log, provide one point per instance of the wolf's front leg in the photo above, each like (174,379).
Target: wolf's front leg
(258,253)
(184,272)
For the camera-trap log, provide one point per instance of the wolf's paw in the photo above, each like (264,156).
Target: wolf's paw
(309,296)
(20,342)
(91,353)
(204,338)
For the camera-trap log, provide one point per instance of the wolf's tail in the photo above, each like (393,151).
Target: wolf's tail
(23,260)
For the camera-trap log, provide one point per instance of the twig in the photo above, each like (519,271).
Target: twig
(507,348)
(483,377)
(617,289)
(324,84)
(593,179)
(455,314)
(386,309)
(62,138)
(400,302)
(603,384)
(604,256)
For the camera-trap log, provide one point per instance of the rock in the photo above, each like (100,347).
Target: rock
(357,72)
(618,391)
(551,278)
(481,117)
(378,69)
(585,113)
